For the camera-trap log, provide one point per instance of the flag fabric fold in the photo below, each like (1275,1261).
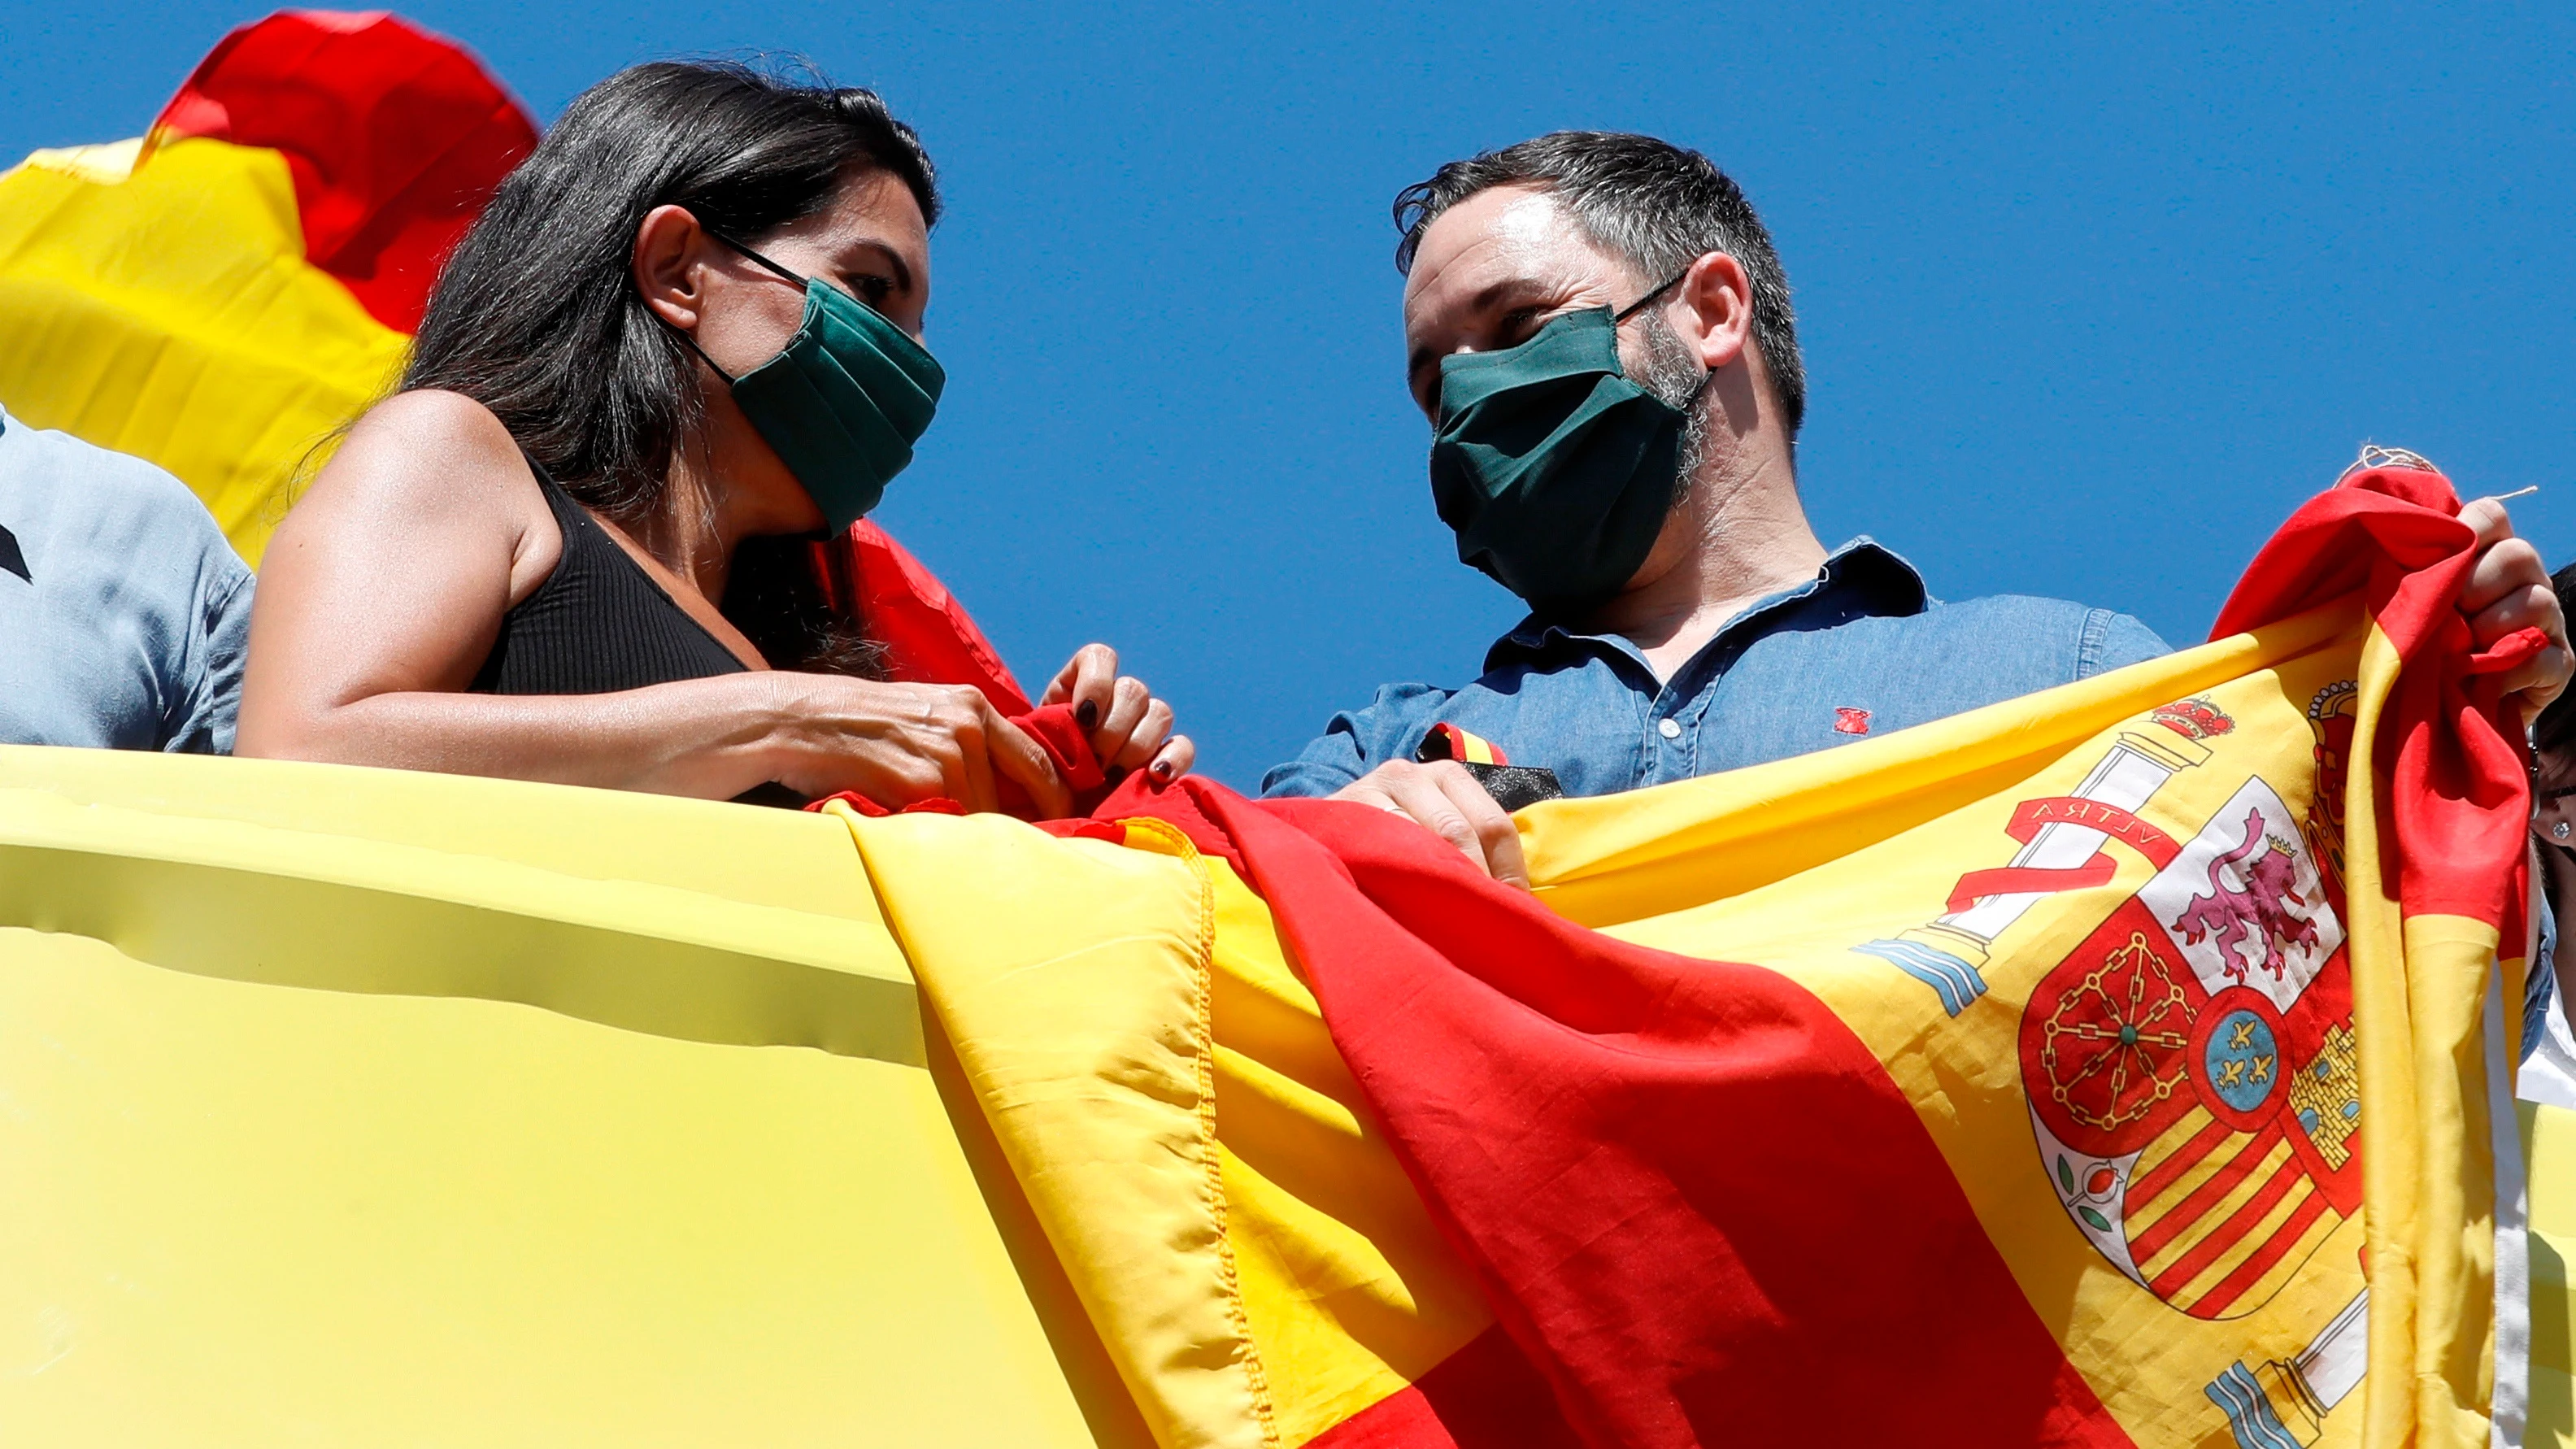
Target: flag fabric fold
(395,139)
(2007,1080)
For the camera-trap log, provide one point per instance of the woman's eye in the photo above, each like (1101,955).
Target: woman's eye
(873,290)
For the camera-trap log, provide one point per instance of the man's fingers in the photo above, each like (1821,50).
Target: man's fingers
(2487,518)
(1449,803)
(1497,840)
(2541,681)
(1445,800)
(2502,568)
(2524,608)
(1419,795)
(1023,760)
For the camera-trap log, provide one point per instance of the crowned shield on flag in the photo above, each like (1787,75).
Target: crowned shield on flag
(2190,1067)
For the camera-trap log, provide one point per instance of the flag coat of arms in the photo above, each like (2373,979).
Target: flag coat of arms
(2007,1080)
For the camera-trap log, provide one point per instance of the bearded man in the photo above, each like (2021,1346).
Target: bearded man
(1599,330)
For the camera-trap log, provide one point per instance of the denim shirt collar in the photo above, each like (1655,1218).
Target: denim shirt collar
(1863,577)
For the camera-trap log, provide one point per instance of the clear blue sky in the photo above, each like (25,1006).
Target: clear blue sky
(2088,304)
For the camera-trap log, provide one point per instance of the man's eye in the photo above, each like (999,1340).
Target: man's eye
(1518,326)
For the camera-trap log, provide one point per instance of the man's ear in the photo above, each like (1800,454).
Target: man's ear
(670,252)
(1718,298)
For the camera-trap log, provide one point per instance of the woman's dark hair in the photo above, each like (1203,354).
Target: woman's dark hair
(536,315)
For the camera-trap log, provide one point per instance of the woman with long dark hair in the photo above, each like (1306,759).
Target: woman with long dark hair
(576,545)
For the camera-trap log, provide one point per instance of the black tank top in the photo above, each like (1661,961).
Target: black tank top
(598,623)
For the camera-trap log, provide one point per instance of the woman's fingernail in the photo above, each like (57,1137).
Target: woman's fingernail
(1162,772)
(1114,774)
(1087,714)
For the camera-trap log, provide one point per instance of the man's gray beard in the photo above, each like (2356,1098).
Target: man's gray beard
(1675,378)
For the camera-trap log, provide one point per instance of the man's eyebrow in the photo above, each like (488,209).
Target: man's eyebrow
(1484,300)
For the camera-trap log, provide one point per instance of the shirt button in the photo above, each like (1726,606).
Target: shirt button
(1669,727)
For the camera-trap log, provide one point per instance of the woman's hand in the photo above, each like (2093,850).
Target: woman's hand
(900,743)
(1130,728)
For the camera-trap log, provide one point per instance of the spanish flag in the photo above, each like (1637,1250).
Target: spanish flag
(2123,1065)
(2118,1066)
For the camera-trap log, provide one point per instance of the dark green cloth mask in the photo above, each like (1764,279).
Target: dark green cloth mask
(844,402)
(1552,467)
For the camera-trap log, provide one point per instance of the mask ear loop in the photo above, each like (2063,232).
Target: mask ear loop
(783,273)
(1707,375)
(691,343)
(1624,313)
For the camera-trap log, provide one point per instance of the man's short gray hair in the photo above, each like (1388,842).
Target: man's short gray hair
(1658,206)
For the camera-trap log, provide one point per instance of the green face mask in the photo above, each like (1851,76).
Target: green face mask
(844,402)
(1552,467)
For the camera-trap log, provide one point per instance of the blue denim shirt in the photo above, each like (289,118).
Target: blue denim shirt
(1858,650)
(124,615)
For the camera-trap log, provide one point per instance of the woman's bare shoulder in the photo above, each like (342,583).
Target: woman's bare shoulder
(432,477)
(428,456)
(429,432)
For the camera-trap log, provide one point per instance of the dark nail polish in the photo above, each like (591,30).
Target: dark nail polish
(1087,714)
(1162,772)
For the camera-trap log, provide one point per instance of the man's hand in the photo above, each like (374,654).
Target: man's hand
(1445,800)
(2508,589)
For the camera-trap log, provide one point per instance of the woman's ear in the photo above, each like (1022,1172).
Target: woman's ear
(1719,298)
(2556,821)
(670,253)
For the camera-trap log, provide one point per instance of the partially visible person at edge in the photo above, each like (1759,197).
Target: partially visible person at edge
(684,339)
(2553,824)
(123,612)
(1599,330)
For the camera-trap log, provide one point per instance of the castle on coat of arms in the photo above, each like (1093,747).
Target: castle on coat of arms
(2325,1098)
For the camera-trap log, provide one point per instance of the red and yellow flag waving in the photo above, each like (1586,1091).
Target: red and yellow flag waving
(2106,1067)
(223,293)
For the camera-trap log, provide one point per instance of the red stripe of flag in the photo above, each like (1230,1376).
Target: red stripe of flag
(395,138)
(1697,1204)
(2228,1234)
(2204,1197)
(2250,1272)
(2206,1194)
(2145,1186)
(1484,1396)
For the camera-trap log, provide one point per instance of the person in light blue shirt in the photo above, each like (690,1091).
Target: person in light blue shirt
(1857,650)
(1599,329)
(124,615)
